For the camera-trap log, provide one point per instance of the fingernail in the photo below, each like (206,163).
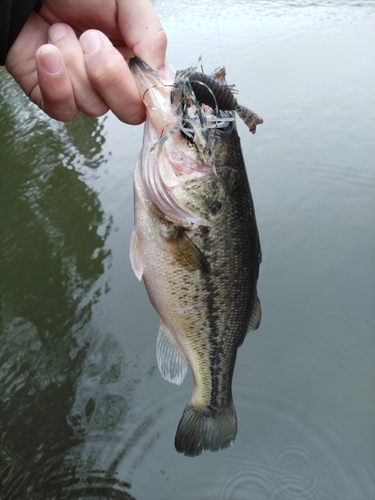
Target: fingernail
(91,42)
(156,63)
(57,31)
(49,60)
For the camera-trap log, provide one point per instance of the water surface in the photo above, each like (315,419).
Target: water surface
(84,412)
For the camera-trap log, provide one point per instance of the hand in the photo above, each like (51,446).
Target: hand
(64,74)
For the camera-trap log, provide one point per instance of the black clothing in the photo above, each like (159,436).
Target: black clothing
(13,16)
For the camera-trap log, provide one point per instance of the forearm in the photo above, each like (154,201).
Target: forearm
(14,14)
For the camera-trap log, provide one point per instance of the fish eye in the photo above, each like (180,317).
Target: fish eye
(214,206)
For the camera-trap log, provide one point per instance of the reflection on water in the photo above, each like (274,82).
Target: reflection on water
(59,379)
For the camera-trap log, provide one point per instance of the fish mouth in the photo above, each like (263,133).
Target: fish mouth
(142,70)
(155,92)
(164,166)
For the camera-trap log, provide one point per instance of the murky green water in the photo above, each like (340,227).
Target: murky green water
(84,412)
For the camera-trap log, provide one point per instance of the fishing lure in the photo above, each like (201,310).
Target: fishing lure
(209,90)
(190,90)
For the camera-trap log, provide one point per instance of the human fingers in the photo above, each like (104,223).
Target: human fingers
(20,61)
(54,92)
(111,78)
(40,71)
(86,98)
(143,33)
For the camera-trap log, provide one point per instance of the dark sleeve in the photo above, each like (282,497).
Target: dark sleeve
(13,16)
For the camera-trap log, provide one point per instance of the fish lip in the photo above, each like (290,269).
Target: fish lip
(136,65)
(155,93)
(145,74)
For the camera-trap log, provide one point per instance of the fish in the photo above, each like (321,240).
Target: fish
(196,245)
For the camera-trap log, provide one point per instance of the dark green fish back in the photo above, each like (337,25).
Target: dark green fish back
(232,249)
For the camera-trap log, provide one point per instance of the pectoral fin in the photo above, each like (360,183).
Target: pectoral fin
(256,315)
(135,254)
(171,361)
(184,251)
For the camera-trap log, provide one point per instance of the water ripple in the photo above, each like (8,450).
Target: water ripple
(251,477)
(296,474)
(291,473)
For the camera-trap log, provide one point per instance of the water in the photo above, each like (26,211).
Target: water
(84,412)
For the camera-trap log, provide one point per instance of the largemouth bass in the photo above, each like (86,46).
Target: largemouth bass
(196,244)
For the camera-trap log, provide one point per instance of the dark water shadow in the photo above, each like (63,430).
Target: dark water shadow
(65,392)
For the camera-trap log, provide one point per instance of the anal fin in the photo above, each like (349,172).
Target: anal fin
(171,361)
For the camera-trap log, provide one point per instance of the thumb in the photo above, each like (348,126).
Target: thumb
(143,33)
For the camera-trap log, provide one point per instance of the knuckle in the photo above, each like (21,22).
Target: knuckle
(61,114)
(135,117)
(105,67)
(93,107)
(107,73)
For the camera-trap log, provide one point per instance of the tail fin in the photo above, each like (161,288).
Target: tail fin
(202,429)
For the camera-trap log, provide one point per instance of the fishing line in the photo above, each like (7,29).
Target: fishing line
(218,31)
